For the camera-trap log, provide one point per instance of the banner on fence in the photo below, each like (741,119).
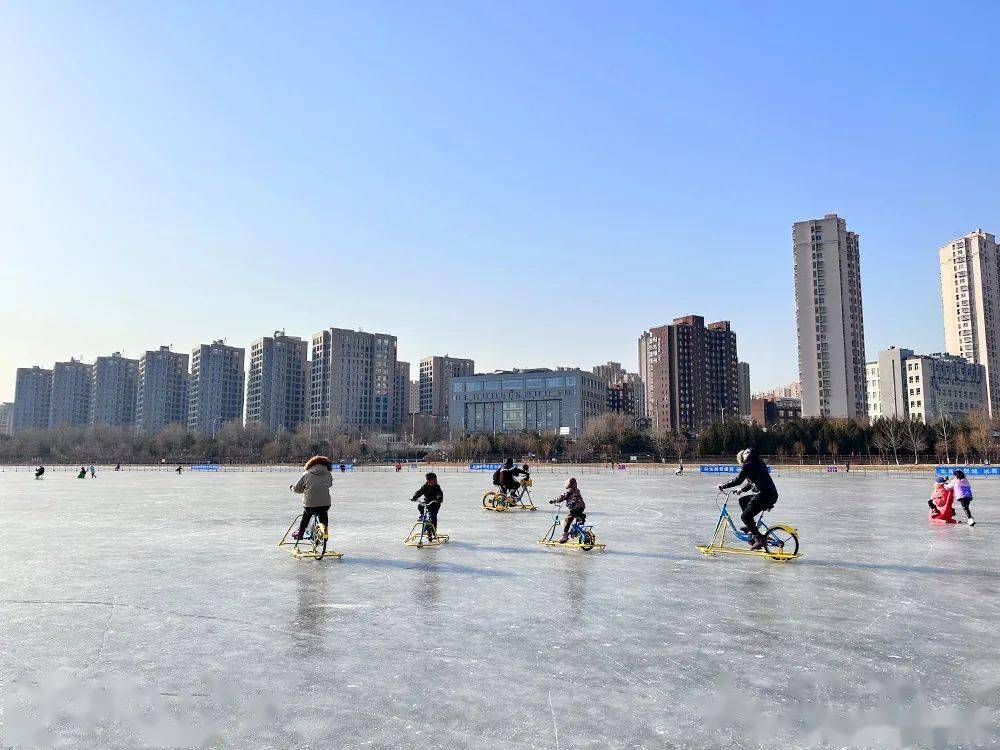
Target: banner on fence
(484,467)
(342,467)
(832,469)
(719,469)
(723,469)
(206,467)
(972,471)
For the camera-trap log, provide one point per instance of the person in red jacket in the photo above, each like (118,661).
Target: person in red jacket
(941,501)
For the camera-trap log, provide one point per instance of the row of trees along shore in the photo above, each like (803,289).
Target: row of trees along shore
(609,437)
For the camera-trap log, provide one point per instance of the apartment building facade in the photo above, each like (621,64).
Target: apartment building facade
(436,374)
(353,377)
(278,383)
(162,390)
(69,402)
(114,389)
(215,386)
(32,394)
(829,318)
(970,299)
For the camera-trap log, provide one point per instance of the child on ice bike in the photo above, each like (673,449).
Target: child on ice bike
(575,507)
(314,486)
(433,496)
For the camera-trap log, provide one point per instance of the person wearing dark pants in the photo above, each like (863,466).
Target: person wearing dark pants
(314,486)
(433,496)
(321,516)
(754,470)
(963,493)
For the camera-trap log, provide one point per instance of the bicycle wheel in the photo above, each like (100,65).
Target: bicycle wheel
(488,500)
(781,540)
(319,540)
(587,540)
(501,504)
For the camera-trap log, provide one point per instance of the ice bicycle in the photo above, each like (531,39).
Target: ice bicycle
(424,533)
(500,501)
(781,541)
(581,535)
(316,537)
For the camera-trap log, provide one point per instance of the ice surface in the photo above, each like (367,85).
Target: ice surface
(145,609)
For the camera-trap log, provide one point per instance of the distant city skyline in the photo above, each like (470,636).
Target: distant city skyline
(181,174)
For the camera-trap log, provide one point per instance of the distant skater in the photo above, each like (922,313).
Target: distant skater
(83,473)
(179,470)
(39,472)
(118,467)
(680,470)
(93,472)
(963,493)
(342,468)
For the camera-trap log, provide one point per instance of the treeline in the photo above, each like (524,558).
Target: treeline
(610,437)
(234,443)
(976,438)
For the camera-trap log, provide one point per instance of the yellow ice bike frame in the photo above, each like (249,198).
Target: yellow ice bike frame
(424,533)
(781,541)
(501,501)
(313,543)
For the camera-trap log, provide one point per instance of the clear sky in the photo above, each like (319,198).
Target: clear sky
(528,184)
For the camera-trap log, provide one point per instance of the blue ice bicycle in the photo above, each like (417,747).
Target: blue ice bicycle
(581,535)
(781,541)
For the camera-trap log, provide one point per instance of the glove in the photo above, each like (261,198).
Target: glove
(722,488)
(291,487)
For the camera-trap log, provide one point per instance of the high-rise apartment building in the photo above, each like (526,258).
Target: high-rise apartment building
(69,402)
(113,390)
(904,385)
(610,372)
(215,387)
(353,378)
(32,391)
(626,391)
(278,382)
(435,382)
(744,387)
(401,394)
(691,373)
(162,392)
(970,298)
(7,418)
(829,318)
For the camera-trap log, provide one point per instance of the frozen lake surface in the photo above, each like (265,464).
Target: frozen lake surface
(149,609)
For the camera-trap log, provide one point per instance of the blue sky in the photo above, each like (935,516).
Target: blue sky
(528,184)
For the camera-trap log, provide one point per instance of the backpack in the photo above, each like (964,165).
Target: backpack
(496,477)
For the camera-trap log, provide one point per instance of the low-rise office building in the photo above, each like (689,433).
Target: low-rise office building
(768,410)
(540,400)
(924,386)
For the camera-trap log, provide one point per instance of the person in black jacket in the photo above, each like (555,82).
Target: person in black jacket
(433,496)
(754,470)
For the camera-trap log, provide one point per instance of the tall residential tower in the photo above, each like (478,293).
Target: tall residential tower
(112,395)
(278,382)
(970,297)
(215,388)
(162,392)
(435,383)
(829,318)
(32,392)
(353,380)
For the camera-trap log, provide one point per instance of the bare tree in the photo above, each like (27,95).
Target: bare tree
(682,444)
(944,429)
(892,432)
(915,437)
(800,450)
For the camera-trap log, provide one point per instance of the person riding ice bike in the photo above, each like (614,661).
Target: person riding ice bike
(765,494)
(506,477)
